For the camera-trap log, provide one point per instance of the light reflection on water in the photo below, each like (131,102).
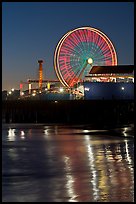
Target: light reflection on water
(42,163)
(69,181)
(91,161)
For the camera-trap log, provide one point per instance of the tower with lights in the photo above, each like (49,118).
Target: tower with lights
(40,73)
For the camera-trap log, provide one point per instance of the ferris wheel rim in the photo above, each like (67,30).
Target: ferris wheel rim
(56,50)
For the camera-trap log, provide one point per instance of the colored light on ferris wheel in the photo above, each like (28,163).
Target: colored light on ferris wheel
(80,49)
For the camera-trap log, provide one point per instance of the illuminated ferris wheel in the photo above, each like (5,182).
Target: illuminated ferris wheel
(79,50)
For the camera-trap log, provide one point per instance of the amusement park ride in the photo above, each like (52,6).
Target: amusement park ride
(39,81)
(76,53)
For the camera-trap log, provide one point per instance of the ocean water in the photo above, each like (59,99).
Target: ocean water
(65,163)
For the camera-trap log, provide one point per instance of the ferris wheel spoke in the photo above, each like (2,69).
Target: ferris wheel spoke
(82,40)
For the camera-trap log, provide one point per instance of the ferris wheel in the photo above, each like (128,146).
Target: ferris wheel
(78,51)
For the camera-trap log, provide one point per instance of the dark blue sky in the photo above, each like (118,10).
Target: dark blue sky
(31,31)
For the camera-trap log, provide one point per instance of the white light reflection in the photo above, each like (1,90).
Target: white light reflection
(70,181)
(22,135)
(92,167)
(124,131)
(127,153)
(46,133)
(11,134)
(56,130)
(129,160)
(12,152)
(110,156)
(86,131)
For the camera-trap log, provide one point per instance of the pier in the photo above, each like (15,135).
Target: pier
(81,111)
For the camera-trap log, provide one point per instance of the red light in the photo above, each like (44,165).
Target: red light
(21,86)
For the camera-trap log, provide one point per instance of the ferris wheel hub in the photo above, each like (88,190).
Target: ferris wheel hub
(90,61)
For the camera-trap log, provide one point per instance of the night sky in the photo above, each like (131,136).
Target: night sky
(31,31)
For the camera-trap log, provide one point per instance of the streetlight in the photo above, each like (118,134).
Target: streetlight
(87,89)
(61,89)
(22,93)
(122,88)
